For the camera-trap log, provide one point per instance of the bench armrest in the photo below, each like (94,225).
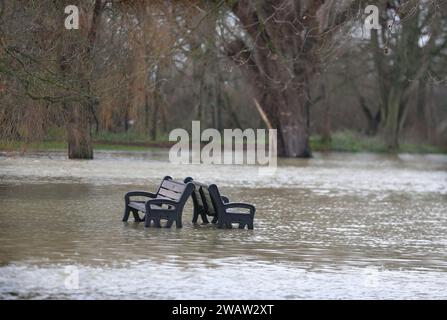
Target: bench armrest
(139,194)
(240,205)
(225,199)
(160,202)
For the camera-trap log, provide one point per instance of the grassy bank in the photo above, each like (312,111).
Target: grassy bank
(129,141)
(345,141)
(60,146)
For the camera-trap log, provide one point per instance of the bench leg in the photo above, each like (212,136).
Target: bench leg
(242,225)
(195,217)
(178,222)
(223,224)
(147,222)
(204,218)
(126,214)
(202,215)
(136,216)
(220,224)
(157,222)
(169,223)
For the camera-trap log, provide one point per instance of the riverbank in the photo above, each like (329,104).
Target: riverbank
(345,141)
(348,141)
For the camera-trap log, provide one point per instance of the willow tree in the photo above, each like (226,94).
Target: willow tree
(76,64)
(50,65)
(280,53)
(407,51)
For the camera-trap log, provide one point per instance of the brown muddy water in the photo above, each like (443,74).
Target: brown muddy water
(334,227)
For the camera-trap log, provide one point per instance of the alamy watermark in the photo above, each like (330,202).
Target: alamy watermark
(235,147)
(372,20)
(72,20)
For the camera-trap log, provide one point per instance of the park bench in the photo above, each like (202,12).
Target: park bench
(200,207)
(208,201)
(167,203)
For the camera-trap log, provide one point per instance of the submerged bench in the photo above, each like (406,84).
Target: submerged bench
(167,203)
(199,203)
(207,200)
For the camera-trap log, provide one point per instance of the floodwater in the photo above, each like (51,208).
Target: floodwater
(334,227)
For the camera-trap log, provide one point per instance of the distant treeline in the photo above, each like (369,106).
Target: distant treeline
(147,67)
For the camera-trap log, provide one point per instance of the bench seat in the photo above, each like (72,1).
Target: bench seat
(167,203)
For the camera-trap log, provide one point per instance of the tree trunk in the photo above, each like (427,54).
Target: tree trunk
(76,62)
(285,101)
(126,118)
(146,113)
(392,121)
(219,103)
(199,107)
(288,112)
(164,120)
(96,121)
(279,63)
(79,136)
(155,109)
(226,103)
(326,137)
(420,104)
(373,120)
(432,137)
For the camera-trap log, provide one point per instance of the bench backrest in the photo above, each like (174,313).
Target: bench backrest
(198,199)
(171,189)
(201,198)
(207,198)
(162,181)
(209,203)
(216,199)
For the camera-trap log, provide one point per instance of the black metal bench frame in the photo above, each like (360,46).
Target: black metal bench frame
(201,208)
(167,203)
(207,200)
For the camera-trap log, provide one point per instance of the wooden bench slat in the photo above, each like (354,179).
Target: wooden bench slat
(209,202)
(173,185)
(137,205)
(163,197)
(169,194)
(198,197)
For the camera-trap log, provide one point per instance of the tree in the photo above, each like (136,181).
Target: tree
(52,65)
(132,63)
(280,54)
(405,52)
(76,62)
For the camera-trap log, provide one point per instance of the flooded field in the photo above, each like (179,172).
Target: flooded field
(336,226)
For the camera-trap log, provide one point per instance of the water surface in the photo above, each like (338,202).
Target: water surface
(336,226)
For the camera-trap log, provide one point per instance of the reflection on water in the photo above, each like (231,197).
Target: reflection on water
(337,226)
